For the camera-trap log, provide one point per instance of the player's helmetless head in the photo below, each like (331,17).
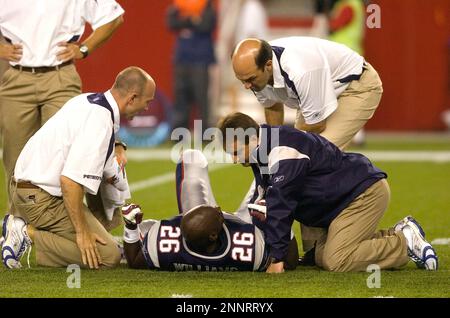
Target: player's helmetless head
(239,136)
(135,89)
(201,227)
(252,63)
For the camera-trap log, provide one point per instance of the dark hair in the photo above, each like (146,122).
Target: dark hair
(237,121)
(264,54)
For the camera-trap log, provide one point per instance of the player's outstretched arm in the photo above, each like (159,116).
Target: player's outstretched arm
(134,255)
(132,215)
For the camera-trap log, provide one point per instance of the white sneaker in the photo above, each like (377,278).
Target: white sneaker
(15,241)
(419,250)
(401,224)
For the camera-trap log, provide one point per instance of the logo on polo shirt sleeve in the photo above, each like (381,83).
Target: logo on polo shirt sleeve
(317,115)
(90,176)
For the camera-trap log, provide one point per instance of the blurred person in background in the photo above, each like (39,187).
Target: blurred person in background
(342,21)
(194,22)
(252,22)
(346,26)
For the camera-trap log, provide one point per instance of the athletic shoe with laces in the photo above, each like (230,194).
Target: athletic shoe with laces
(15,241)
(401,224)
(419,250)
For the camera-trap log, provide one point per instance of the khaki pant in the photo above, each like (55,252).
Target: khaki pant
(55,238)
(356,105)
(352,243)
(27,101)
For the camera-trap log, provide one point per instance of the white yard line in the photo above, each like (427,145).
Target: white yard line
(412,156)
(152,182)
(376,155)
(441,241)
(181,296)
(418,156)
(163,178)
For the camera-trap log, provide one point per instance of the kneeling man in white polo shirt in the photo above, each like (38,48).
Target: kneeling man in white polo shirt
(62,161)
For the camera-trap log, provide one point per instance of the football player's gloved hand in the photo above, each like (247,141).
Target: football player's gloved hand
(132,214)
(258,210)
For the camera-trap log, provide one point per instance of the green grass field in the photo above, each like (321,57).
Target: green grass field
(418,188)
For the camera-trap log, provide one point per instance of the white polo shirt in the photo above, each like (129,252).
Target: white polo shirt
(314,67)
(40,25)
(74,143)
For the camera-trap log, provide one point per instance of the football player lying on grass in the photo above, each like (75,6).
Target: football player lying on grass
(202,239)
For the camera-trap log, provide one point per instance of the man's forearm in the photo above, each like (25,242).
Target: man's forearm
(102,34)
(275,114)
(134,256)
(73,201)
(313,128)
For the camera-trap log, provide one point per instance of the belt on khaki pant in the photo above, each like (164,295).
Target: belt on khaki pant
(41,69)
(25,185)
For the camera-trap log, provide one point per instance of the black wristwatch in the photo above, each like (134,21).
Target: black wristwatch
(84,50)
(118,142)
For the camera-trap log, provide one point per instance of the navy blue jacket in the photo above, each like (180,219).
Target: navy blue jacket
(307,178)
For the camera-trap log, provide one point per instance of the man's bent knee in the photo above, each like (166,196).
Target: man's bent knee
(334,264)
(111,256)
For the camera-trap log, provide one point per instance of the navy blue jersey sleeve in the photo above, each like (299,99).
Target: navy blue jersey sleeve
(279,221)
(281,202)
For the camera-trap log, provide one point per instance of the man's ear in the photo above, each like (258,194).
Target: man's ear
(268,65)
(131,96)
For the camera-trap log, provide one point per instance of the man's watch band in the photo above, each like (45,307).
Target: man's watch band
(118,142)
(84,50)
